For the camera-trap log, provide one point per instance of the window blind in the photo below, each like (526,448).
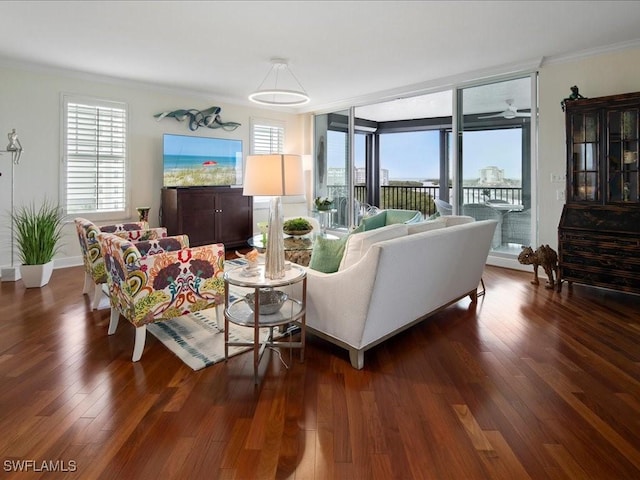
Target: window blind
(267,139)
(95,157)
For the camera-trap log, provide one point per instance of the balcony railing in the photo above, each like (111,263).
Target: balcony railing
(421,197)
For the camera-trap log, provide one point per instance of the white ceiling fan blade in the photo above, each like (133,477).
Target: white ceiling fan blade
(508,114)
(494,116)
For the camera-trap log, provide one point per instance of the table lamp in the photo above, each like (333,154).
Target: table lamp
(274,175)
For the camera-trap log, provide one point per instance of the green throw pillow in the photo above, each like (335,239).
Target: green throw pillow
(327,253)
(377,221)
(434,216)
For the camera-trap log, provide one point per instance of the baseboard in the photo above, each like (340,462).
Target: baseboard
(10,274)
(67,262)
(505,262)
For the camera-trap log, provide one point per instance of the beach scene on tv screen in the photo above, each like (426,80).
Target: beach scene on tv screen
(201,161)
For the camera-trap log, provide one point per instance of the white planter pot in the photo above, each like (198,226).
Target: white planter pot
(35,276)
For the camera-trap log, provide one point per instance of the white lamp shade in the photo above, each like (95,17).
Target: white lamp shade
(273,175)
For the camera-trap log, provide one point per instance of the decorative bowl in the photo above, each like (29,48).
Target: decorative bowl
(271,301)
(297,233)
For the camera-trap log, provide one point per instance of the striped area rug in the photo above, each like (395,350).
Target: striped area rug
(196,338)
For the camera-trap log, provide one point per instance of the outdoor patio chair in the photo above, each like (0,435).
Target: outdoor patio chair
(480,211)
(444,208)
(516,227)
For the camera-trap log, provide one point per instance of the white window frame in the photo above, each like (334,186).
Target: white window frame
(120,212)
(262,149)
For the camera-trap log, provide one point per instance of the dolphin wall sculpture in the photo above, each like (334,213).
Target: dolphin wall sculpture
(209,118)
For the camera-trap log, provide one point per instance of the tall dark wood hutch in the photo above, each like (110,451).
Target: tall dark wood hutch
(599,232)
(208,214)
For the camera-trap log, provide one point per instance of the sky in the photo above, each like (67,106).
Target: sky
(415,155)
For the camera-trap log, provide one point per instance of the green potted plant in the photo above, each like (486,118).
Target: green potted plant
(323,203)
(37,233)
(297,226)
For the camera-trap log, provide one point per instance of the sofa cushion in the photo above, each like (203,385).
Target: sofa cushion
(452,220)
(327,254)
(426,226)
(358,243)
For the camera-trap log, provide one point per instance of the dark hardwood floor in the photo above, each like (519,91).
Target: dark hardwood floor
(530,384)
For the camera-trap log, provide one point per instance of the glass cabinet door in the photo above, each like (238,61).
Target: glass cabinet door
(622,155)
(585,157)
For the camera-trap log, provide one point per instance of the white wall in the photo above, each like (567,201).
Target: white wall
(596,76)
(30,103)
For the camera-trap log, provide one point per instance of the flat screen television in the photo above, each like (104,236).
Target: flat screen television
(201,161)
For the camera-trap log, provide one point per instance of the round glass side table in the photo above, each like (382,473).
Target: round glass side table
(238,312)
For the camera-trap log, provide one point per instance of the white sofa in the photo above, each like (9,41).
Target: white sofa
(395,276)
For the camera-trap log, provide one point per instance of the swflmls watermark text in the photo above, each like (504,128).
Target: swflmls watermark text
(29,465)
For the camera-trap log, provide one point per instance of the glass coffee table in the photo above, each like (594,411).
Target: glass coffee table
(296,249)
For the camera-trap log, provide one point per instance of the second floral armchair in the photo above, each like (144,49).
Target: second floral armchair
(151,285)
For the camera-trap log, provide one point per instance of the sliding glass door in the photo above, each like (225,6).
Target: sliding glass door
(334,173)
(402,154)
(494,159)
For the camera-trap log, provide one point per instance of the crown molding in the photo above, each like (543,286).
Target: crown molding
(7,62)
(466,79)
(422,88)
(592,52)
(431,86)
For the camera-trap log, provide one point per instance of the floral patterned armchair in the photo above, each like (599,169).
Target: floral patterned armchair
(148,284)
(95,275)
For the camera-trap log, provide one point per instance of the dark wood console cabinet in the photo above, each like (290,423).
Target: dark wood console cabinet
(599,231)
(208,215)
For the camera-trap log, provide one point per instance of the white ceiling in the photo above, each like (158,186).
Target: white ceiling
(342,52)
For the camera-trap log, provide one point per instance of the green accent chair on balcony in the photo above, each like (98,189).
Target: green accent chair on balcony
(388,217)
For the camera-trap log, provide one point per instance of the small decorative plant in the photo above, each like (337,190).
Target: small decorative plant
(323,203)
(37,232)
(297,226)
(264,228)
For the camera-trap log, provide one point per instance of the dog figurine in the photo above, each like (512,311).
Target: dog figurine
(547,258)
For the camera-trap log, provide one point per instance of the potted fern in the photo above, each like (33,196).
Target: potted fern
(37,233)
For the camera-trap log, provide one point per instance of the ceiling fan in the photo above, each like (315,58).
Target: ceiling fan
(509,113)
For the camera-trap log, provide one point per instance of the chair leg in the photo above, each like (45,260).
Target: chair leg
(481,293)
(113,321)
(97,296)
(138,347)
(88,283)
(220,317)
